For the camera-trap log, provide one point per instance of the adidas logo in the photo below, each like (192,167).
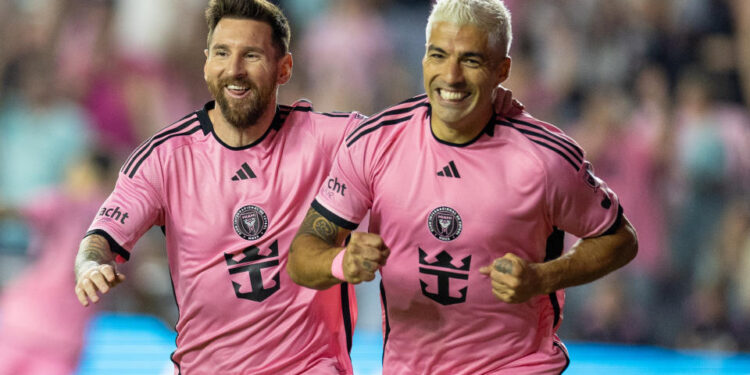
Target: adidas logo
(449,170)
(244,173)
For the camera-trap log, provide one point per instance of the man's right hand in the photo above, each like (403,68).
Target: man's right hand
(93,278)
(365,254)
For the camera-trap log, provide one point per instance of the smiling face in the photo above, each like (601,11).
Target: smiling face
(461,73)
(243,70)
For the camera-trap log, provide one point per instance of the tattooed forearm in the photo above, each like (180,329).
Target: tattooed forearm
(317,225)
(94,249)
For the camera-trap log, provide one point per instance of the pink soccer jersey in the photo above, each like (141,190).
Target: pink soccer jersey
(229,215)
(446,210)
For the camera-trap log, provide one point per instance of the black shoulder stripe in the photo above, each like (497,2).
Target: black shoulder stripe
(569,143)
(555,140)
(543,144)
(378,126)
(396,111)
(329,114)
(133,154)
(335,114)
(156,144)
(557,151)
(136,154)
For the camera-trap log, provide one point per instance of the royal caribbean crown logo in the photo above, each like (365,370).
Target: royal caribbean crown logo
(444,223)
(250,222)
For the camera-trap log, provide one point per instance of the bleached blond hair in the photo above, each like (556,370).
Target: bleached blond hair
(489,15)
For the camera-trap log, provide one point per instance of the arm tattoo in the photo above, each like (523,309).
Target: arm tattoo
(93,248)
(317,225)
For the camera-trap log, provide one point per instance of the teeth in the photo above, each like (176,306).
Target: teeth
(450,95)
(235,87)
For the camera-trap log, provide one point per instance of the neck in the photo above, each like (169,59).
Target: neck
(240,137)
(460,132)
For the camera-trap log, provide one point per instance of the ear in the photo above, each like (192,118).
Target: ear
(503,70)
(284,66)
(205,65)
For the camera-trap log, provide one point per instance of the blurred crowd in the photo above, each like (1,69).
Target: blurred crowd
(656,92)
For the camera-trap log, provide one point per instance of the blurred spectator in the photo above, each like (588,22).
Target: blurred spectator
(42,325)
(42,133)
(347,54)
(657,92)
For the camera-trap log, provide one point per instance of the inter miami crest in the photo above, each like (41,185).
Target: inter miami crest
(250,222)
(445,223)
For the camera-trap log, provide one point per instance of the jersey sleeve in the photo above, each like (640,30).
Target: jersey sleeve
(579,202)
(346,194)
(330,129)
(131,209)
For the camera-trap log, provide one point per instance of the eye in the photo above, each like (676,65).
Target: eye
(472,63)
(253,56)
(220,52)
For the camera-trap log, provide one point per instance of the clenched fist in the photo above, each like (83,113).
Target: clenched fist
(514,280)
(365,254)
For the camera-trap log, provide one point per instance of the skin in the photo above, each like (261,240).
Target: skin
(458,60)
(515,280)
(240,52)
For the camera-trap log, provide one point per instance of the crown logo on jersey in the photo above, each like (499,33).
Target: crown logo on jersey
(444,260)
(449,170)
(244,173)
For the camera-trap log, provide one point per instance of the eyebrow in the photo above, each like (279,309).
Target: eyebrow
(245,49)
(464,55)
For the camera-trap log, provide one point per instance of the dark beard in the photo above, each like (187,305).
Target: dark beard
(245,113)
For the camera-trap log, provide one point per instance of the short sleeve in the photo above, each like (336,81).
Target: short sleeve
(346,193)
(330,129)
(579,202)
(131,209)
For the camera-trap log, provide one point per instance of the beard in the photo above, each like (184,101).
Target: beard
(245,112)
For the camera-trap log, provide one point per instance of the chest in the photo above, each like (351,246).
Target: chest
(438,190)
(236,198)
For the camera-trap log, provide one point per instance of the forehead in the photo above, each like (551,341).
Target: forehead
(458,38)
(242,32)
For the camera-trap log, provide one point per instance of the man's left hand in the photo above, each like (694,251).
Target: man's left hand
(514,280)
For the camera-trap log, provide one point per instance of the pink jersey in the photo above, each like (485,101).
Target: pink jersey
(42,324)
(229,216)
(446,210)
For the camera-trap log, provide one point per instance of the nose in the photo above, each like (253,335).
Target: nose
(236,67)
(453,72)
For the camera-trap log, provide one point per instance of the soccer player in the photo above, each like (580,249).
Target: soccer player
(229,185)
(468,210)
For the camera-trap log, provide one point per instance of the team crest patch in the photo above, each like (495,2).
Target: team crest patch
(250,222)
(445,223)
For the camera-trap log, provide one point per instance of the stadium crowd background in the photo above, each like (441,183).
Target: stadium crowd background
(657,92)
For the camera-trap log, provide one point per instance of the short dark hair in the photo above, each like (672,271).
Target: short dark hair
(259,10)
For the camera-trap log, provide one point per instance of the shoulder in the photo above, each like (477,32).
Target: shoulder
(187,130)
(392,118)
(550,144)
(303,109)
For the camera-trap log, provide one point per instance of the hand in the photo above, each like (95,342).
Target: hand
(101,277)
(505,104)
(514,280)
(365,254)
